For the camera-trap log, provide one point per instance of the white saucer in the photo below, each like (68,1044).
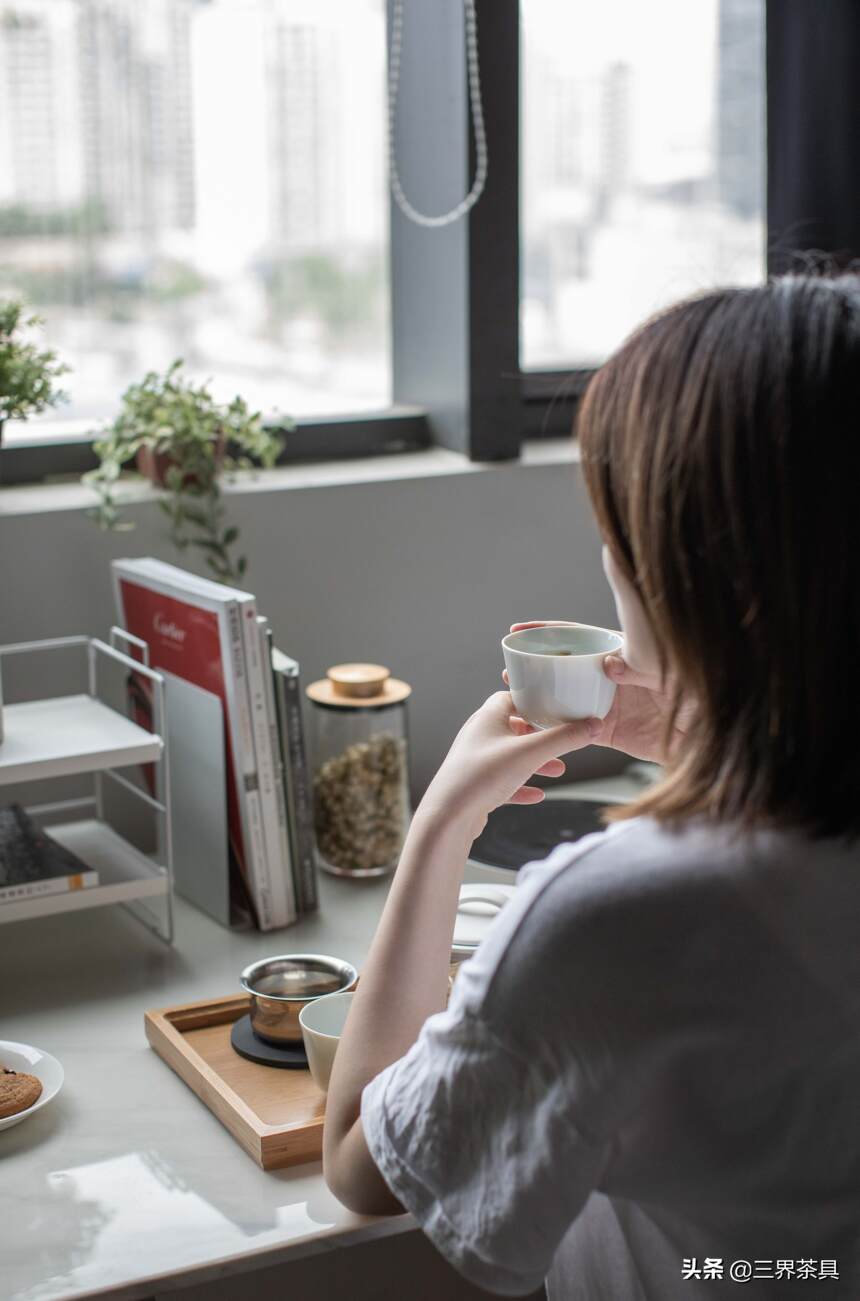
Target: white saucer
(31,1061)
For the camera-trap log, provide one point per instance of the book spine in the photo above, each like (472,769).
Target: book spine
(274,754)
(280,742)
(245,763)
(298,784)
(50,885)
(277,886)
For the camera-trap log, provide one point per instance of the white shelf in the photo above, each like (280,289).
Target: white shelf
(70,734)
(124,873)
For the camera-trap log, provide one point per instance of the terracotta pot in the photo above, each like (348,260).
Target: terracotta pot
(154,465)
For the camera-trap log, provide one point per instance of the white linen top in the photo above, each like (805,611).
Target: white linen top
(647,1077)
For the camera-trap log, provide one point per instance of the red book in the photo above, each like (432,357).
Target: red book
(197,635)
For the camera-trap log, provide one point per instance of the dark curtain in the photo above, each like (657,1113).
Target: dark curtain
(813,130)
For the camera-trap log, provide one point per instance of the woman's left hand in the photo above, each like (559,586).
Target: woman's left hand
(493,758)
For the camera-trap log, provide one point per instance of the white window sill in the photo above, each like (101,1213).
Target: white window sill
(33,499)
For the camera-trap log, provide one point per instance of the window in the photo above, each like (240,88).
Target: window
(201,179)
(207,178)
(642,165)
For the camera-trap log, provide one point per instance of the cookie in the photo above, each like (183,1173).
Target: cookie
(17,1092)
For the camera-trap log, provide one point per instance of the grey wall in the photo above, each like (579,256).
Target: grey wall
(423,574)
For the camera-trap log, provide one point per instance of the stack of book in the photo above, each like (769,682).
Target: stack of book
(32,864)
(212,636)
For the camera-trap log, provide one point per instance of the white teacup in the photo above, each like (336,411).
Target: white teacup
(556,672)
(322,1023)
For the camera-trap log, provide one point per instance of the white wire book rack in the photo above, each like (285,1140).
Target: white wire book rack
(64,736)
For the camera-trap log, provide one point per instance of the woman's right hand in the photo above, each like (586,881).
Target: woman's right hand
(636,723)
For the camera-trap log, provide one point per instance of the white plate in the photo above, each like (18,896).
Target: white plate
(31,1061)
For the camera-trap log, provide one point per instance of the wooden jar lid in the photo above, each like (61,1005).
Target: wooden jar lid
(358,685)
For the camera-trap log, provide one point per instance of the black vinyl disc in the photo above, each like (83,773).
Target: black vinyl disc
(518,833)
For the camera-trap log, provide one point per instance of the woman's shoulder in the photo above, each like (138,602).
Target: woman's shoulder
(623,954)
(629,861)
(617,918)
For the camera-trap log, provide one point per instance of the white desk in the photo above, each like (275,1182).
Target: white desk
(127,1178)
(126,1185)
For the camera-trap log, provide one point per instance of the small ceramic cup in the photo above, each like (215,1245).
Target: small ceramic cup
(556,672)
(322,1025)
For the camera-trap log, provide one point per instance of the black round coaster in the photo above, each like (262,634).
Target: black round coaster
(516,834)
(246,1044)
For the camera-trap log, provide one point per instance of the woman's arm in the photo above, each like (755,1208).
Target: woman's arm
(404,980)
(405,977)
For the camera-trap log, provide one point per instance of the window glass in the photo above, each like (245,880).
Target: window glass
(201,179)
(642,164)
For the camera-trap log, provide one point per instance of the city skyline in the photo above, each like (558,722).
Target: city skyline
(201,178)
(648,205)
(106,100)
(207,178)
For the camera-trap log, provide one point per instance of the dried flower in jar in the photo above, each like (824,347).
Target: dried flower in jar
(359,804)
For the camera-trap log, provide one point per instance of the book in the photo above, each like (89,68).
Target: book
(279,875)
(34,864)
(298,786)
(195,630)
(276,765)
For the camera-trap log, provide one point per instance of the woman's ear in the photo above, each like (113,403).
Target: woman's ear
(640,648)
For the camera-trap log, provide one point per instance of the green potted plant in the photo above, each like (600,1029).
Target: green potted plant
(28,373)
(184,441)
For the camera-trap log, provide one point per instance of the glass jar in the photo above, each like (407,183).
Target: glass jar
(360,762)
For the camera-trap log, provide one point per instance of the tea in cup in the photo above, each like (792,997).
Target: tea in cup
(555,672)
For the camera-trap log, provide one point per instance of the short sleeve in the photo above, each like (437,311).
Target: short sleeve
(477,1135)
(480,1146)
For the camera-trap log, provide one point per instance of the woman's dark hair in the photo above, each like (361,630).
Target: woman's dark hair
(721,449)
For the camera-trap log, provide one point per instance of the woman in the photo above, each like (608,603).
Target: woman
(646,1082)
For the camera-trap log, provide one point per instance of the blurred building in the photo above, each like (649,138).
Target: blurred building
(740,127)
(135,97)
(615,150)
(95,108)
(302,90)
(40,146)
(322,124)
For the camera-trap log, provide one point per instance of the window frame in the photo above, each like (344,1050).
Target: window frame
(374,433)
(549,400)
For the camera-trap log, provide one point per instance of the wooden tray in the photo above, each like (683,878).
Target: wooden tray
(277,1115)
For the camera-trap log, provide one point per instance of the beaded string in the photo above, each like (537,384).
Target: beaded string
(466,204)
